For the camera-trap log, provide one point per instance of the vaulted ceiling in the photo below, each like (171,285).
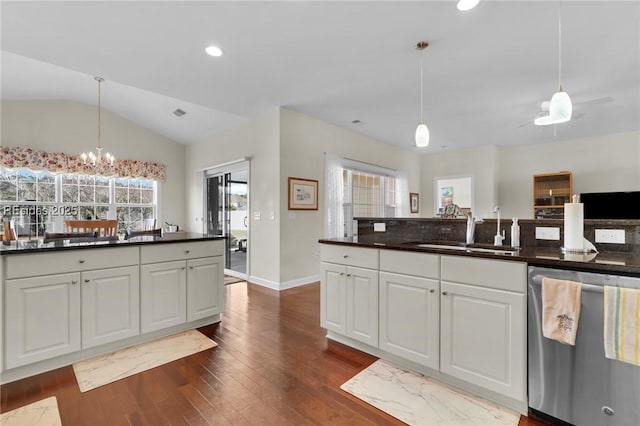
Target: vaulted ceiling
(486,71)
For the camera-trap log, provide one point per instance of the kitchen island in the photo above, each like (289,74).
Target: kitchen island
(451,311)
(64,301)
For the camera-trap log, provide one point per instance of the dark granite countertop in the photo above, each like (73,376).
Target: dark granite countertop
(37,245)
(620,263)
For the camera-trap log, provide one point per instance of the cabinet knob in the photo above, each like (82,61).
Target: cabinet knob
(344,256)
(190,267)
(183,267)
(444,293)
(86,280)
(432,291)
(341,273)
(81,261)
(348,275)
(187,251)
(74,282)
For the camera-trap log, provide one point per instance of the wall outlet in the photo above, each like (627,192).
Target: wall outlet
(256,215)
(380,227)
(547,233)
(612,236)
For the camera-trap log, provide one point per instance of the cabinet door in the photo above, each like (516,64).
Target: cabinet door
(110,305)
(163,292)
(410,318)
(362,305)
(333,302)
(482,338)
(205,287)
(42,318)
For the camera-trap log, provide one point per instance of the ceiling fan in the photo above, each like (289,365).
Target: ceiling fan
(542,116)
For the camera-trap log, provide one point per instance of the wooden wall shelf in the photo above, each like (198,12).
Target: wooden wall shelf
(550,192)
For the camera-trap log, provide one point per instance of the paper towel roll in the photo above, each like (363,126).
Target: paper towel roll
(573,226)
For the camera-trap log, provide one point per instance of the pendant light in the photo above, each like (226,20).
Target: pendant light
(560,108)
(464,5)
(98,159)
(422,132)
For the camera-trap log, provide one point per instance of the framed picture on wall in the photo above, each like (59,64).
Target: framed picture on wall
(303,194)
(414,202)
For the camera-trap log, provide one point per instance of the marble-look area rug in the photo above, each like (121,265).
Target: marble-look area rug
(419,400)
(39,413)
(108,368)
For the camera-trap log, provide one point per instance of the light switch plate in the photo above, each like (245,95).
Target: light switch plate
(256,215)
(380,227)
(547,233)
(612,236)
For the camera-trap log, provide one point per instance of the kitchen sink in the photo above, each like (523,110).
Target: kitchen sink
(469,248)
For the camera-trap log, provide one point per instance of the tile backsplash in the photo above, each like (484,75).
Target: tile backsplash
(435,229)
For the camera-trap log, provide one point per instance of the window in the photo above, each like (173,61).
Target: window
(39,201)
(372,193)
(134,199)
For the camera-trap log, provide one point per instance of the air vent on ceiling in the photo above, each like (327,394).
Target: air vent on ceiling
(179,113)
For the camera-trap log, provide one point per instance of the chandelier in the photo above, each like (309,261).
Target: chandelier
(98,159)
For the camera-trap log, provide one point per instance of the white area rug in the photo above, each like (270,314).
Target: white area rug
(104,369)
(419,400)
(40,413)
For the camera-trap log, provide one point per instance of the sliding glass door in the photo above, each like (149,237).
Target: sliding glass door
(227,213)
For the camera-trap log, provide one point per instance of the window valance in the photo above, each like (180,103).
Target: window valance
(59,162)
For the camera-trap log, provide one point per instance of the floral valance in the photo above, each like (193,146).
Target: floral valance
(59,162)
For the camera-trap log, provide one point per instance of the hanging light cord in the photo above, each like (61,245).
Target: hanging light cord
(100,80)
(560,44)
(421,89)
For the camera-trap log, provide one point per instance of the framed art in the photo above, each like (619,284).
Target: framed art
(414,202)
(303,194)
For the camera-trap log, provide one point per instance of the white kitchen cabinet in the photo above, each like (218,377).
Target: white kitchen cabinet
(410,318)
(483,323)
(349,292)
(333,299)
(110,305)
(163,295)
(362,304)
(180,282)
(410,306)
(205,290)
(42,318)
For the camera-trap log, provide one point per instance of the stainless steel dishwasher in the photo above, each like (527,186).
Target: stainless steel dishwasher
(577,384)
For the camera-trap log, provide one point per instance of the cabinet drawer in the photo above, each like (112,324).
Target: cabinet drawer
(409,263)
(180,251)
(348,255)
(35,264)
(500,274)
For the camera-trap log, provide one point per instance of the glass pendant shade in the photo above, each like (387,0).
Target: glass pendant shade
(422,136)
(560,108)
(467,4)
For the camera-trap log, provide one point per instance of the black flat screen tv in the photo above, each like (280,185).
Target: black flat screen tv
(611,205)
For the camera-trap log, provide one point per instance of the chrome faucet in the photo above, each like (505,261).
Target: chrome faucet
(499,237)
(471,227)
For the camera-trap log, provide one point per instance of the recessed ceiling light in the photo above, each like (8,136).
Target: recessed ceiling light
(213,51)
(467,4)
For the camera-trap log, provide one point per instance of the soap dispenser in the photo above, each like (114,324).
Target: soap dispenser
(515,233)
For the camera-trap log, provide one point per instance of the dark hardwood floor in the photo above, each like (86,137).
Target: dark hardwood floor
(273,366)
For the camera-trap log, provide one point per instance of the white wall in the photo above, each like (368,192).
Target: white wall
(599,164)
(303,142)
(481,163)
(504,176)
(259,140)
(68,126)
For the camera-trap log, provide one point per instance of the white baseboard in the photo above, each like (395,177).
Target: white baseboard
(285,285)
